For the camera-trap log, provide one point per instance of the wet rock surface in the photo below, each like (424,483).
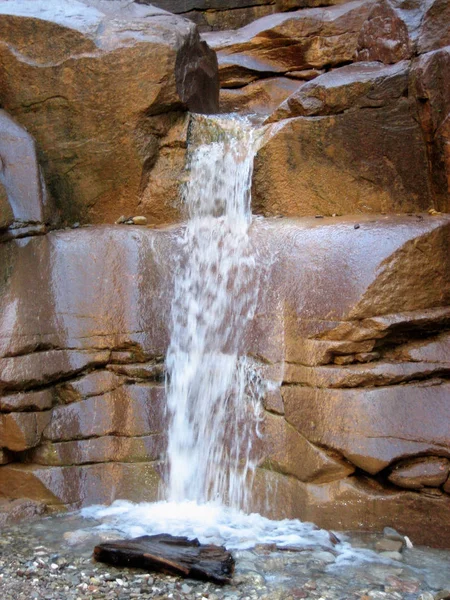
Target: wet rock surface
(96,149)
(51,558)
(360,361)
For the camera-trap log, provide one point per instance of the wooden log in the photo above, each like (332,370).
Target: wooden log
(170,554)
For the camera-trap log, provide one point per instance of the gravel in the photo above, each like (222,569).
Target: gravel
(51,559)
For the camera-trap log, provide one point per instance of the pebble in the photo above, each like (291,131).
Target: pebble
(139,220)
(389,545)
(391,534)
(392,555)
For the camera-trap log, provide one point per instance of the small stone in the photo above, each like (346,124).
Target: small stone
(121,220)
(442,595)
(356,226)
(319,217)
(186,589)
(391,534)
(389,545)
(392,555)
(139,220)
(75,225)
(345,359)
(363,357)
(325,557)
(426,596)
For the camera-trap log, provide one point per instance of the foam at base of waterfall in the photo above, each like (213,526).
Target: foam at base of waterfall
(213,523)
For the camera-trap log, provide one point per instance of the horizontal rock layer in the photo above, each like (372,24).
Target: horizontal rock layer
(356,343)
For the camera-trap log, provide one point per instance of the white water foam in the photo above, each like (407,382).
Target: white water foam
(214,410)
(213,523)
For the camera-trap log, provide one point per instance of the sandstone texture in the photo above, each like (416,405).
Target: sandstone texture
(137,61)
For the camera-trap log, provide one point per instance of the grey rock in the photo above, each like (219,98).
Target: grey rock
(391,534)
(389,545)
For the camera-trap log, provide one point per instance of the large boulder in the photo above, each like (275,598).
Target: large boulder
(306,35)
(346,143)
(85,81)
(376,427)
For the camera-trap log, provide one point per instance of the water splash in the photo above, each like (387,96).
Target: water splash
(214,412)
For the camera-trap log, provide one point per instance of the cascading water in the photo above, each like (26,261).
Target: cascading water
(213,392)
(213,412)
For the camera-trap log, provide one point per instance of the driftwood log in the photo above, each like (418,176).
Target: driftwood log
(170,554)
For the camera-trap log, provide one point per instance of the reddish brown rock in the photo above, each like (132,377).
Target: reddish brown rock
(21,179)
(414,474)
(42,400)
(435,350)
(260,97)
(446,486)
(83,309)
(152,370)
(288,452)
(356,503)
(231,14)
(95,150)
(384,36)
(5,457)
(80,485)
(355,162)
(371,427)
(273,401)
(14,511)
(92,384)
(307,34)
(365,375)
(132,410)
(403,267)
(37,368)
(6,213)
(359,85)
(435,32)
(103,449)
(431,86)
(418,322)
(160,197)
(20,431)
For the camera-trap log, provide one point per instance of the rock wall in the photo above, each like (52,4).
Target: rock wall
(359,422)
(353,317)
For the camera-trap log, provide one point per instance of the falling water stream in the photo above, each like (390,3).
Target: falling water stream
(214,411)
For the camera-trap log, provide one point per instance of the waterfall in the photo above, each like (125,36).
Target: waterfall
(213,389)
(213,408)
